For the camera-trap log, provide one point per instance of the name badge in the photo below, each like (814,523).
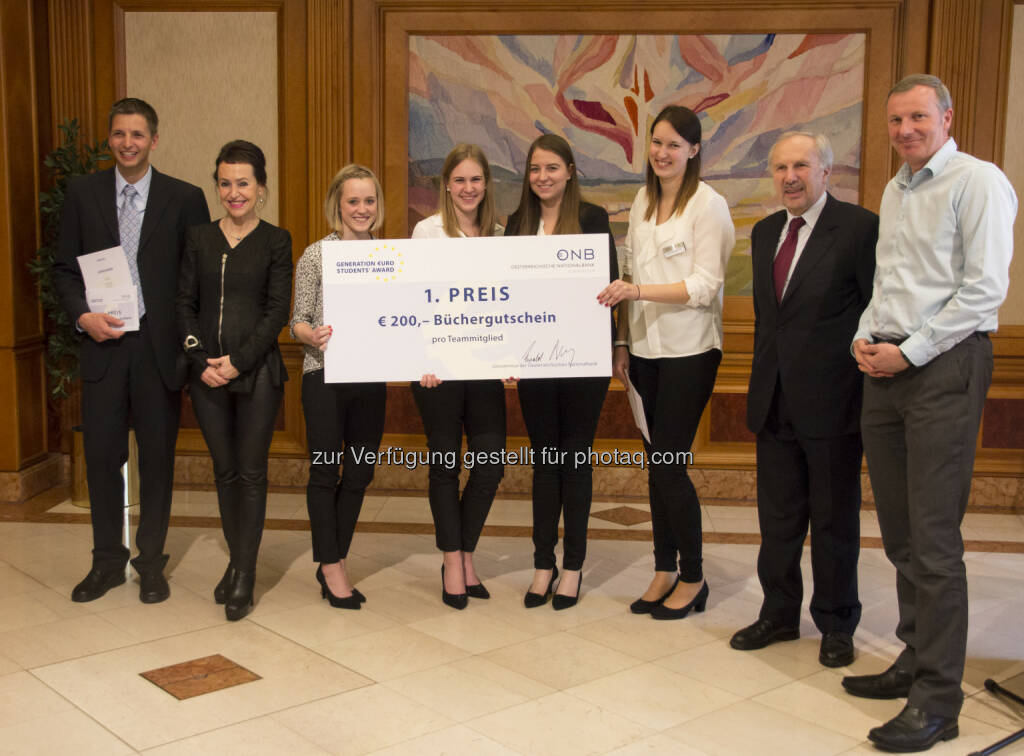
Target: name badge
(671,250)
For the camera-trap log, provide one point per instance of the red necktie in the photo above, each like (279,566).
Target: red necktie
(785,256)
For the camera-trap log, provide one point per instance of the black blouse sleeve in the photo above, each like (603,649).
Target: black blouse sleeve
(187,300)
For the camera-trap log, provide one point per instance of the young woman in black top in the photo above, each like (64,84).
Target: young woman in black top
(560,413)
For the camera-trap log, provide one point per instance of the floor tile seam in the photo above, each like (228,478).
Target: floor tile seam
(78,708)
(387,684)
(654,730)
(134,642)
(626,614)
(313,650)
(793,712)
(34,579)
(742,696)
(275,714)
(423,734)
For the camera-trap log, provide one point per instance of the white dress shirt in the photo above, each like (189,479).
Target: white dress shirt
(810,217)
(432,227)
(693,247)
(945,240)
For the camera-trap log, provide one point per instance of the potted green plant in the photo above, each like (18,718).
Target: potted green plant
(73,157)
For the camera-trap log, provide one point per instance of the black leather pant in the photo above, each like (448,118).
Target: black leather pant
(238,429)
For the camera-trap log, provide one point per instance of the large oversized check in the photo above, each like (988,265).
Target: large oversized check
(495,307)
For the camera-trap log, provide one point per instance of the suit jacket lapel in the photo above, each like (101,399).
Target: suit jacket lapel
(106,202)
(156,204)
(816,248)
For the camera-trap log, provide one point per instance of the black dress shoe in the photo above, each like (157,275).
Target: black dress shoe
(531,599)
(640,606)
(477,591)
(762,633)
(239,600)
(220,592)
(836,650)
(153,587)
(893,683)
(913,730)
(662,612)
(560,601)
(454,600)
(96,583)
(323,586)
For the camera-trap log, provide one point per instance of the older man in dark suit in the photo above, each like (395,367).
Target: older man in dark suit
(813,265)
(129,376)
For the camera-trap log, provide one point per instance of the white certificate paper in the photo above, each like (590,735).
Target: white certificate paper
(109,287)
(466,309)
(120,301)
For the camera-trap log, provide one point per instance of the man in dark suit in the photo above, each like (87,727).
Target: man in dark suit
(129,376)
(813,265)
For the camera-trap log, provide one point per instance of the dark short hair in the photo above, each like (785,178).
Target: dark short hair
(241,151)
(133,106)
(942,96)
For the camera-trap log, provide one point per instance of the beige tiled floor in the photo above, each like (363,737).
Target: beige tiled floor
(407,675)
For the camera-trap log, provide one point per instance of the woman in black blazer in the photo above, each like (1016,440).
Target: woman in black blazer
(233,295)
(560,413)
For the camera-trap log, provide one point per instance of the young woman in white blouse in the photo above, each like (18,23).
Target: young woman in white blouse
(669,342)
(465,208)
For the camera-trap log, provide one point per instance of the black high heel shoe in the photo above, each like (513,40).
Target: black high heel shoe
(700,601)
(477,591)
(531,599)
(220,593)
(238,601)
(454,600)
(560,601)
(338,602)
(640,606)
(323,584)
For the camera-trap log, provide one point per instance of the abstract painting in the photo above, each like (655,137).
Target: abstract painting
(601,93)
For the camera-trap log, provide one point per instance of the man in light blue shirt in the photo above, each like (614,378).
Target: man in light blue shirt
(944,247)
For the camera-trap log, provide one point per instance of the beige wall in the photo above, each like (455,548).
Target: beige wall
(212,77)
(1012,312)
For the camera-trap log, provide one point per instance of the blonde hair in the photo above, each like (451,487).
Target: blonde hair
(334,191)
(445,205)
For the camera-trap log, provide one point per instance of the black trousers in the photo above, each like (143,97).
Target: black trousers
(344,422)
(131,389)
(920,428)
(238,429)
(479,408)
(561,417)
(675,391)
(801,480)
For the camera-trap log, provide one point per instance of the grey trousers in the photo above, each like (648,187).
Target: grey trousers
(919,430)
